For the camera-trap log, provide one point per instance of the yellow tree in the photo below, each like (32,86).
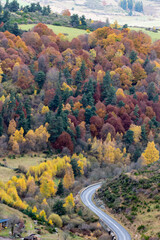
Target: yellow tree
(42,215)
(137,132)
(42,135)
(100,76)
(21,185)
(120,92)
(31,139)
(34,210)
(109,153)
(47,187)
(65,87)
(45,110)
(151,154)
(18,135)
(12,127)
(68,179)
(69,203)
(2,99)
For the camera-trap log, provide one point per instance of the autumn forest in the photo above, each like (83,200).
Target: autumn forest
(90,105)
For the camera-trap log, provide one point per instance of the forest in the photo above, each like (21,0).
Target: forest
(61,95)
(93,103)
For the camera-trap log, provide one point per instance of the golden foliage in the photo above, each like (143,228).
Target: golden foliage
(69,203)
(45,110)
(12,127)
(68,179)
(55,219)
(137,132)
(108,152)
(120,93)
(151,154)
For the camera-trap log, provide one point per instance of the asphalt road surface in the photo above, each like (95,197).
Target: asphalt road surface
(86,197)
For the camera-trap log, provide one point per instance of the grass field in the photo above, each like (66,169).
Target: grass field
(155,36)
(6,174)
(26,161)
(69,32)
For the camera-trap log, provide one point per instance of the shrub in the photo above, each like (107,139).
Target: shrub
(104,237)
(56,219)
(66,219)
(141,228)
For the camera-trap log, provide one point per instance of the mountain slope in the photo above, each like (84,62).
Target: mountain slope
(134,198)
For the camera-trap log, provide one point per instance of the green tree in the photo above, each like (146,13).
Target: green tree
(15,29)
(83,21)
(54,103)
(108,91)
(89,113)
(151,91)
(13,6)
(22,119)
(129,137)
(78,79)
(78,132)
(136,114)
(38,7)
(66,73)
(40,78)
(75,167)
(46,10)
(55,127)
(133,56)
(58,208)
(84,100)
(143,133)
(6,16)
(137,154)
(138,6)
(74,20)
(83,70)
(60,189)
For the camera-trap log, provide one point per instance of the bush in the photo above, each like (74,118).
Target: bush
(58,208)
(66,219)
(104,237)
(56,219)
(141,228)
(22,169)
(76,222)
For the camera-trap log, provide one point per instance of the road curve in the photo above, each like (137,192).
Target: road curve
(86,197)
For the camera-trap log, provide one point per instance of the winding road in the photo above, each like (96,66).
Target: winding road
(86,197)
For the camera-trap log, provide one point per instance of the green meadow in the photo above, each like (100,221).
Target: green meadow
(154,35)
(68,31)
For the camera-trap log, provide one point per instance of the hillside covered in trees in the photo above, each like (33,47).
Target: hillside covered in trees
(92,102)
(134,199)
(60,95)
